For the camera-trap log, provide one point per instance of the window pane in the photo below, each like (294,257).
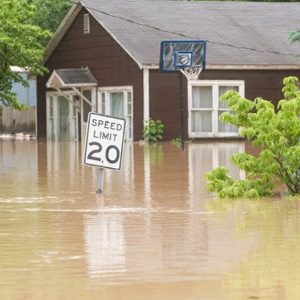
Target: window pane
(223,90)
(129,97)
(74,111)
(51,106)
(201,121)
(64,124)
(129,121)
(117,105)
(88,95)
(202,97)
(103,103)
(129,108)
(129,126)
(225,127)
(86,107)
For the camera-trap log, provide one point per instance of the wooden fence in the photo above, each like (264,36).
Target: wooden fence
(14,121)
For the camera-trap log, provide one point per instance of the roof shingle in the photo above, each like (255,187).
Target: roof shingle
(238,33)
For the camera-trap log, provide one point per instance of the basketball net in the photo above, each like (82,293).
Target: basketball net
(191,73)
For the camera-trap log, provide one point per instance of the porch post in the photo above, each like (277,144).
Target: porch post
(146,94)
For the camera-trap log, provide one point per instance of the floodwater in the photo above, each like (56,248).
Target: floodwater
(154,233)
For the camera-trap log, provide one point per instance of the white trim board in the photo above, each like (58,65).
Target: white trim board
(146,95)
(238,67)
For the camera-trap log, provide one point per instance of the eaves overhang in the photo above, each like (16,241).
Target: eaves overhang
(70,78)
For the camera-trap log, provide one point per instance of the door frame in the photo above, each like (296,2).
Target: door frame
(103,105)
(53,120)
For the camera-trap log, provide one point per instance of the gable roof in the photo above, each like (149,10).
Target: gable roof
(66,78)
(239,34)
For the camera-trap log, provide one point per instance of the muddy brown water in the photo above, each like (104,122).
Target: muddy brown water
(154,233)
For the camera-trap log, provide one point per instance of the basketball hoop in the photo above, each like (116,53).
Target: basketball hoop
(191,73)
(188,57)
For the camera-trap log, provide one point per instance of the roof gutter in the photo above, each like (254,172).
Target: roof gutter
(237,67)
(252,67)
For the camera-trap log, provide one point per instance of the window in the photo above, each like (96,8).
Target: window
(205,108)
(118,102)
(86,24)
(62,116)
(86,108)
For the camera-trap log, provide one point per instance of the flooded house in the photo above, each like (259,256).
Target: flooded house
(105,57)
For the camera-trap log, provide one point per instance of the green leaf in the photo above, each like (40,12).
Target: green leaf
(277,133)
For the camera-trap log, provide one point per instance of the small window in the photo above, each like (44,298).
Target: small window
(86,23)
(205,108)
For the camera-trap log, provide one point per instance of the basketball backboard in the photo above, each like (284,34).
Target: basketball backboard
(176,55)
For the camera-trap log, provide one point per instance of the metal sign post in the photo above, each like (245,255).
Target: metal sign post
(104,144)
(100,181)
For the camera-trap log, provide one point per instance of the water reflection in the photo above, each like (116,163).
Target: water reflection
(18,167)
(154,229)
(105,245)
(165,218)
(272,269)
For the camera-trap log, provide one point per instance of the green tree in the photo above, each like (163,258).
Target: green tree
(277,133)
(49,13)
(21,44)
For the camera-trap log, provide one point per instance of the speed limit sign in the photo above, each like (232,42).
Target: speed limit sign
(104,141)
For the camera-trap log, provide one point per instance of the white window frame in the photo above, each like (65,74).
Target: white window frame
(54,118)
(215,84)
(105,92)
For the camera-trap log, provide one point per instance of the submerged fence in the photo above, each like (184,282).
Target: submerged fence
(14,121)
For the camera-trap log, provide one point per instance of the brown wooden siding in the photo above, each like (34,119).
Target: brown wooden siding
(108,62)
(164,101)
(164,92)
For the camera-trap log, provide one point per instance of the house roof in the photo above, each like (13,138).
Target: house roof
(239,35)
(65,78)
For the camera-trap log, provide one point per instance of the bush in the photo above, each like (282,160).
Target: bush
(153,130)
(278,136)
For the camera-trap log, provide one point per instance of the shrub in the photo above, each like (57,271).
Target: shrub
(153,130)
(278,136)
